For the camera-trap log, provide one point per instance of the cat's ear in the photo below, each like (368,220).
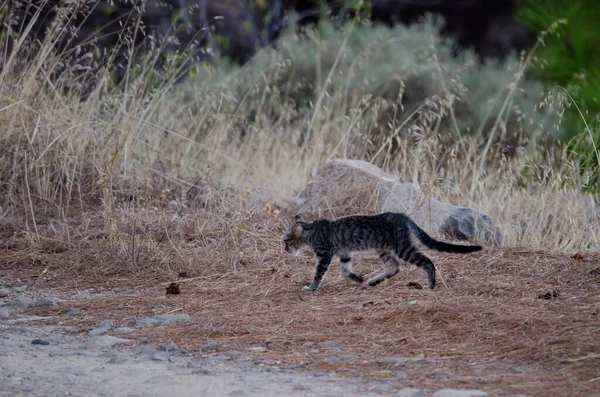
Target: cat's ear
(298,219)
(297,231)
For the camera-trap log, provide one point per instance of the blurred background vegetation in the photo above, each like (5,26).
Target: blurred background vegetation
(569,64)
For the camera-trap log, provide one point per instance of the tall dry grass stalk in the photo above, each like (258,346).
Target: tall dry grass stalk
(158,141)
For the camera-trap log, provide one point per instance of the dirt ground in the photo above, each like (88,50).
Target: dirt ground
(505,320)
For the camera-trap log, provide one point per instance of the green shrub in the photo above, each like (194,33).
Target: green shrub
(569,63)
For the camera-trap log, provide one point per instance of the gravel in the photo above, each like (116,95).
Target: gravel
(162,319)
(103,328)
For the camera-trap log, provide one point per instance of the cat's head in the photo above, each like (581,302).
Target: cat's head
(294,236)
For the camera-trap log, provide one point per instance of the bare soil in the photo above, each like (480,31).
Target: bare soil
(504,320)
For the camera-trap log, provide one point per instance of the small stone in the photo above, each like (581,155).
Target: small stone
(220,357)
(106,341)
(4,292)
(73,310)
(409,392)
(122,330)
(332,360)
(159,356)
(234,354)
(401,374)
(331,345)
(64,354)
(5,312)
(349,357)
(197,369)
(20,289)
(459,393)
(40,342)
(522,370)
(167,348)
(147,349)
(109,354)
(103,328)
(441,376)
(22,302)
(211,346)
(381,387)
(315,351)
(78,371)
(397,361)
(47,302)
(163,319)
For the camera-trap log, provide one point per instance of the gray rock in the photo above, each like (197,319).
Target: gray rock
(78,371)
(220,357)
(331,345)
(401,374)
(211,346)
(332,360)
(163,319)
(20,289)
(234,354)
(409,392)
(5,312)
(197,369)
(4,292)
(40,342)
(147,349)
(106,341)
(122,330)
(522,370)
(22,302)
(459,393)
(47,302)
(441,376)
(50,319)
(73,310)
(109,354)
(103,328)
(116,360)
(397,361)
(468,224)
(159,356)
(381,387)
(167,348)
(68,353)
(343,182)
(349,357)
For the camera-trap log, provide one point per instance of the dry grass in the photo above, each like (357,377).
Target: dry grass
(132,187)
(484,319)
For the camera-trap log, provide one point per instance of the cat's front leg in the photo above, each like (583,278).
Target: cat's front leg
(323,262)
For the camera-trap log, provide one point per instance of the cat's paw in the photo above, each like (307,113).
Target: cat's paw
(308,288)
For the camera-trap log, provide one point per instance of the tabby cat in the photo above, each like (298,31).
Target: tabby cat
(388,234)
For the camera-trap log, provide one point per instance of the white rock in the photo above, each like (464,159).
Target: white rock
(344,183)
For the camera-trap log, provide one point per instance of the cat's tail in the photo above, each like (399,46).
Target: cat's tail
(432,243)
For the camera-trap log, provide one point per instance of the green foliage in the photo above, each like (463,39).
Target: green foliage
(401,77)
(570,58)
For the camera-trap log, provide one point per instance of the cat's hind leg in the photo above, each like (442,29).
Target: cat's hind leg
(414,256)
(391,267)
(346,268)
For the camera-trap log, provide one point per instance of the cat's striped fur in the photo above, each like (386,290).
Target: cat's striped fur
(389,234)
